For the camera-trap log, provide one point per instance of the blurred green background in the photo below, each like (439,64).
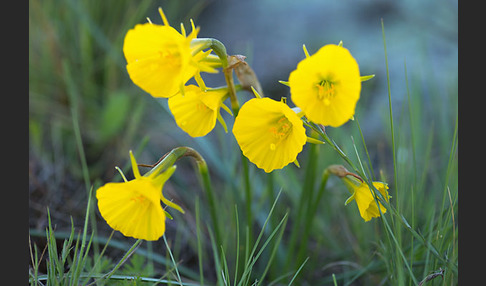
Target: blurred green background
(85,113)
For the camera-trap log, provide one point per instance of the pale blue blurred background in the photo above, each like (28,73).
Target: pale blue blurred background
(424,34)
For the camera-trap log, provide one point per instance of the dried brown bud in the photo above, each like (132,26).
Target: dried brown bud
(341,172)
(245,74)
(338,170)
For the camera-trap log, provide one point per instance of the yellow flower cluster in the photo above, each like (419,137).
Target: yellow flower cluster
(325,88)
(160,60)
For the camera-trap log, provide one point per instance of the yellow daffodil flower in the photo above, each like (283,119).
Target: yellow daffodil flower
(160,60)
(361,193)
(196,111)
(326,86)
(133,207)
(269,133)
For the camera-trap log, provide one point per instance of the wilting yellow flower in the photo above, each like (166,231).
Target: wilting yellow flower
(196,111)
(326,86)
(160,60)
(361,193)
(269,133)
(133,207)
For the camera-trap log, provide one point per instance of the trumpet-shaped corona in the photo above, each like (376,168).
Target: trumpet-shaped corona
(269,133)
(327,86)
(160,60)
(196,111)
(361,193)
(133,207)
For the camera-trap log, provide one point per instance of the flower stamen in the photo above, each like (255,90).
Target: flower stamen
(138,199)
(325,91)
(280,131)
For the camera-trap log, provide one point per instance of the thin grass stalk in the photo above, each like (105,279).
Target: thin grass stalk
(52,261)
(414,162)
(199,242)
(397,233)
(34,258)
(83,261)
(123,246)
(270,237)
(396,243)
(251,258)
(125,257)
(449,169)
(88,276)
(298,271)
(173,261)
(156,281)
(274,250)
(80,265)
(225,272)
(365,148)
(216,257)
(412,130)
(67,244)
(392,129)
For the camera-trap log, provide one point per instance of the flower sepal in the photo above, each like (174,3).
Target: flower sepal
(350,199)
(366,77)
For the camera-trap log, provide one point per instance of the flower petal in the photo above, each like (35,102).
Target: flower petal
(158,59)
(269,133)
(148,40)
(196,111)
(133,208)
(333,105)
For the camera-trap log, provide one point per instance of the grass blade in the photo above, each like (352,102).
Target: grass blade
(298,271)
(173,261)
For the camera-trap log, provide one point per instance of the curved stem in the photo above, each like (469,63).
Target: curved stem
(228,76)
(206,182)
(175,154)
(220,50)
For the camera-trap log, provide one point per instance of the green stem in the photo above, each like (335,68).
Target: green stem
(206,180)
(220,50)
(175,154)
(248,197)
(228,76)
(311,213)
(306,199)
(329,141)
